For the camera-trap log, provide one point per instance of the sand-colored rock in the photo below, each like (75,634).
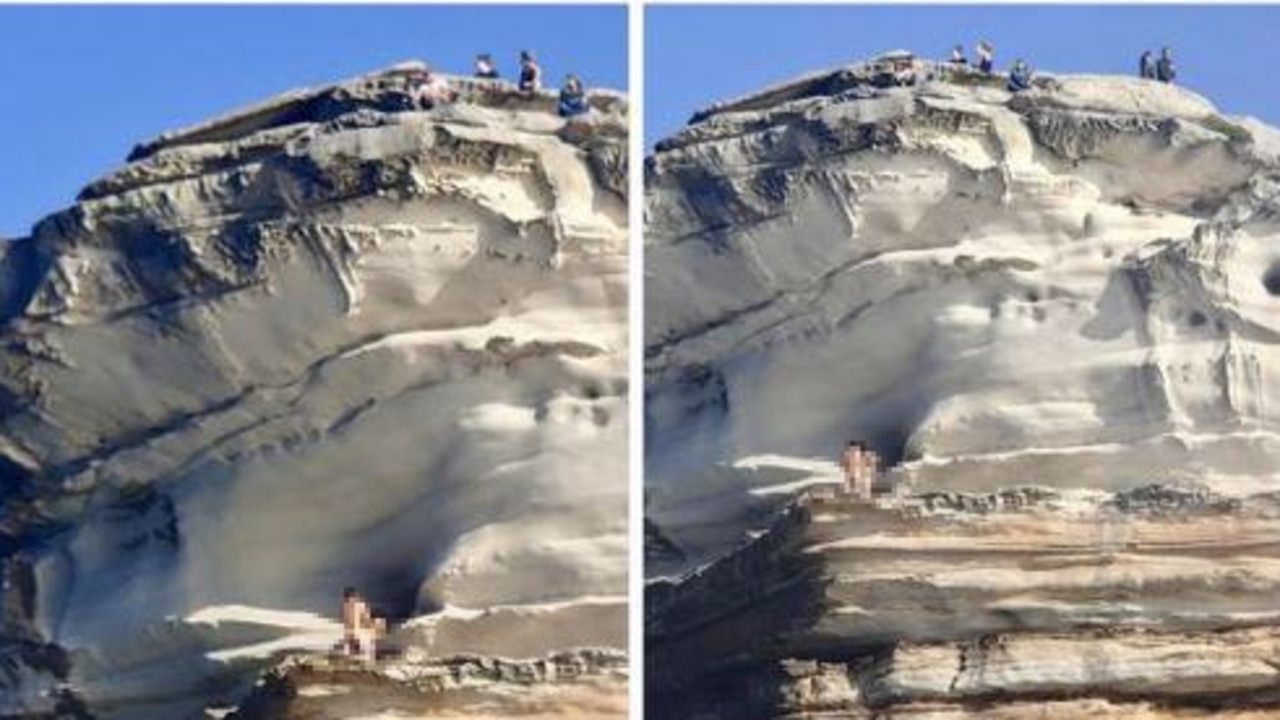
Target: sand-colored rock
(328,340)
(566,686)
(1054,313)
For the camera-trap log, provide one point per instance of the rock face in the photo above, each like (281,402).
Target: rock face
(328,340)
(1053,313)
(566,685)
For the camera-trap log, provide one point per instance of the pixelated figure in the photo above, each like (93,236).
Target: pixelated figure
(861,465)
(360,629)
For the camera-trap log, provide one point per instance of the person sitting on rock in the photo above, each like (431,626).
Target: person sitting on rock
(986,57)
(904,75)
(957,56)
(434,90)
(1020,76)
(1147,66)
(530,73)
(485,68)
(573,100)
(1165,71)
(360,629)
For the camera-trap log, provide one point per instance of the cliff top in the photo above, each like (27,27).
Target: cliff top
(1109,91)
(900,74)
(387,90)
(379,98)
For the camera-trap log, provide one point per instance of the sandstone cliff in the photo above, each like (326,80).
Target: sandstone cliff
(327,340)
(1054,313)
(579,685)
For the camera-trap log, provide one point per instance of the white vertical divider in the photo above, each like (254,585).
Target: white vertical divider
(635,367)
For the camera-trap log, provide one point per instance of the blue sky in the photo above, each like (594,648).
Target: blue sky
(79,85)
(698,54)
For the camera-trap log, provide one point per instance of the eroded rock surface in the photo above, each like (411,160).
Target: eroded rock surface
(328,340)
(1054,313)
(583,684)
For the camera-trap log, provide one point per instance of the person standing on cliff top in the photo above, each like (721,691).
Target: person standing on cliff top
(360,629)
(957,56)
(1147,66)
(1165,71)
(530,73)
(986,57)
(485,67)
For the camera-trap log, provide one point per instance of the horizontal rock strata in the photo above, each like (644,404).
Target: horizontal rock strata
(584,684)
(333,339)
(1052,313)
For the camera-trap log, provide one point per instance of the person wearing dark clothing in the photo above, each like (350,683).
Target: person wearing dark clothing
(1020,77)
(485,67)
(530,73)
(573,100)
(1147,66)
(957,56)
(1165,71)
(986,57)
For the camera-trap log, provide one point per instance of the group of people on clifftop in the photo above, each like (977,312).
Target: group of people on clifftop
(986,56)
(1020,75)
(572,100)
(1162,69)
(431,89)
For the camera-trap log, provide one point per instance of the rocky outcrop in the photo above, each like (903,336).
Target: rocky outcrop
(583,684)
(1052,312)
(1049,602)
(330,340)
